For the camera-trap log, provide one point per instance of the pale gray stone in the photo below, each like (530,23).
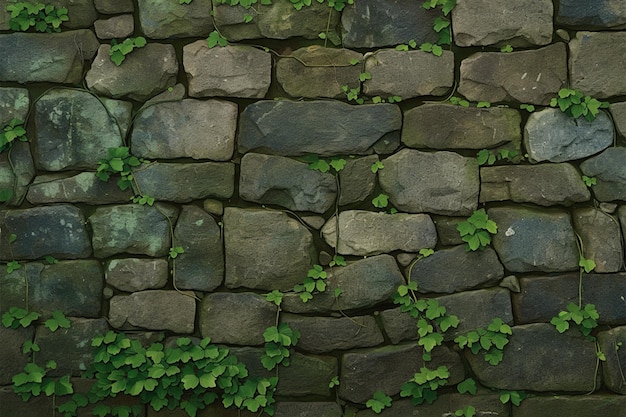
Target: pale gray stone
(609,170)
(120,26)
(543,184)
(170,19)
(114,6)
(17,173)
(551,135)
(601,238)
(440,182)
(357,180)
(84,187)
(229,71)
(596,62)
(519,23)
(316,71)
(154,310)
(611,343)
(533,76)
(365,233)
(136,274)
(190,128)
(618,113)
(269,179)
(597,14)
(144,73)
(428,126)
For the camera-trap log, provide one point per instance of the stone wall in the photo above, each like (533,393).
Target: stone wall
(226,135)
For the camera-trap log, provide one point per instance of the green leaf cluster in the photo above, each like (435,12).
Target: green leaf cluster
(584,318)
(18,317)
(58,320)
(476,231)
(338,260)
(575,104)
(589,181)
(514,397)
(42,17)
(119,162)
(278,340)
(175,251)
(316,163)
(442,24)
(381,201)
(390,99)
(216,39)
(457,101)
(467,411)
(12,132)
(352,94)
(424,384)
(119,51)
(378,402)
(312,284)
(33,381)
(13,266)
(488,157)
(490,341)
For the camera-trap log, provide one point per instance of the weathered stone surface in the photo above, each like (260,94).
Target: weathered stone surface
(316,71)
(265,249)
(17,174)
(408,74)
(307,409)
(269,179)
(428,126)
(447,232)
(307,375)
(201,267)
(14,104)
(363,284)
(369,23)
(609,170)
(115,27)
(131,228)
(366,233)
(114,6)
(566,405)
(12,404)
(13,360)
(514,22)
(597,14)
(595,62)
(614,368)
(448,182)
(84,187)
(70,348)
(154,310)
(170,19)
(366,371)
(618,113)
(176,93)
(551,135)
(198,129)
(321,127)
(324,334)
(136,274)
(455,269)
(534,240)
(539,358)
(398,325)
(533,76)
(57,230)
(279,20)
(601,238)
(82,13)
(144,73)
(230,71)
(541,298)
(357,179)
(235,318)
(182,182)
(545,184)
(54,57)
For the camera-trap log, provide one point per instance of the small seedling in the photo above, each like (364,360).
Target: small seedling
(506,48)
(216,39)
(575,104)
(476,231)
(467,386)
(467,411)
(12,132)
(589,181)
(528,107)
(514,397)
(119,51)
(378,402)
(175,251)
(334,382)
(381,201)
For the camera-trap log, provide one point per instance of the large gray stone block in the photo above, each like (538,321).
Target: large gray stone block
(618,113)
(611,343)
(170,19)
(596,14)
(601,238)
(84,187)
(136,274)
(570,405)
(356,179)
(609,170)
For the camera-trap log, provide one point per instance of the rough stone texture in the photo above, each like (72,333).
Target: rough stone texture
(136,274)
(269,179)
(545,184)
(366,371)
(114,6)
(14,103)
(170,19)
(115,27)
(56,57)
(155,310)
(13,360)
(533,76)
(596,59)
(144,73)
(17,174)
(363,284)
(57,230)
(12,404)
(130,228)
(618,113)
(428,126)
(74,130)
(597,14)
(70,348)
(439,182)
(447,232)
(316,71)
(539,358)
(370,23)
(230,71)
(566,405)
(320,127)
(357,179)
(551,135)
(408,74)
(366,233)
(398,325)
(534,240)
(541,298)
(181,182)
(601,238)
(307,409)
(235,318)
(455,269)
(84,187)
(614,368)
(82,13)
(307,375)
(609,170)
(279,20)
(265,249)
(201,267)
(324,334)
(518,23)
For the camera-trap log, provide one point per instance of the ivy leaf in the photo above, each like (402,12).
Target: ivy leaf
(469,385)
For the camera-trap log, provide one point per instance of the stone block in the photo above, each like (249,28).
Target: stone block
(618,114)
(136,274)
(114,6)
(307,375)
(609,170)
(308,409)
(601,238)
(13,360)
(568,405)
(83,187)
(357,179)
(18,173)
(611,343)
(596,14)
(120,26)
(170,19)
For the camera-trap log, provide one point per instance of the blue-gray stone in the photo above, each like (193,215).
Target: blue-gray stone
(609,170)
(596,14)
